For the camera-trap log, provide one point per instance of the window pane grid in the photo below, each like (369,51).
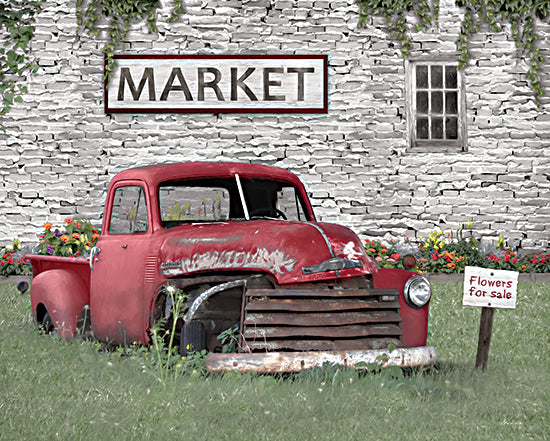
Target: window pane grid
(436,102)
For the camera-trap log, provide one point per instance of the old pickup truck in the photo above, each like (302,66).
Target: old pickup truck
(242,241)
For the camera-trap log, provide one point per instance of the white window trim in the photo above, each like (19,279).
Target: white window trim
(461,144)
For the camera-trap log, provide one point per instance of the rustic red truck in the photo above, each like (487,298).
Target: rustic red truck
(242,241)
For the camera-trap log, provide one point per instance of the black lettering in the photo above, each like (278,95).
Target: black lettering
(148,76)
(240,82)
(213,84)
(169,87)
(301,71)
(268,83)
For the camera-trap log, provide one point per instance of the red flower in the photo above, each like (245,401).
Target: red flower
(69,220)
(395,256)
(434,256)
(78,225)
(10,260)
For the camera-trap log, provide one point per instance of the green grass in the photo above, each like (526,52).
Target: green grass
(50,389)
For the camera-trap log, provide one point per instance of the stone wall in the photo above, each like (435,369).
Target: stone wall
(60,149)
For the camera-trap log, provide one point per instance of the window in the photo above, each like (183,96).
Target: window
(219,199)
(272,199)
(129,213)
(435,106)
(193,203)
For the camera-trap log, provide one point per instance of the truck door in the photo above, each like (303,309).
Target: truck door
(117,282)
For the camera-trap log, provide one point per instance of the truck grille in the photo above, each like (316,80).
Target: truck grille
(320,320)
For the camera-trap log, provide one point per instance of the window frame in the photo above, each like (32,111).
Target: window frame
(123,184)
(434,145)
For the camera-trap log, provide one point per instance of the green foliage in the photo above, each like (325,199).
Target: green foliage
(166,362)
(16,61)
(12,261)
(116,17)
(519,14)
(230,339)
(449,253)
(395,12)
(384,256)
(118,395)
(163,336)
(453,251)
(75,239)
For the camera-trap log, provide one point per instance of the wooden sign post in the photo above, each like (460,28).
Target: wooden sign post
(489,289)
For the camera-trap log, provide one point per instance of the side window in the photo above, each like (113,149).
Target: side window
(129,214)
(289,203)
(436,109)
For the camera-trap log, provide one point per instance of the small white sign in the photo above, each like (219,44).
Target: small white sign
(490,288)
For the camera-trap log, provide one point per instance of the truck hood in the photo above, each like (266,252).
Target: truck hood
(291,251)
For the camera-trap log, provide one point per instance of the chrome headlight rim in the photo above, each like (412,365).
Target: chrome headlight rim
(412,298)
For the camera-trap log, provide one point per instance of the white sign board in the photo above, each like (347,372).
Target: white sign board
(218,84)
(490,288)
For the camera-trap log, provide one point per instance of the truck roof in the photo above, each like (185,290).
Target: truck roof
(157,173)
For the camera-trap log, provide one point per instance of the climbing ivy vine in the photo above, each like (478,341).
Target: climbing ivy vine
(114,17)
(519,14)
(16,60)
(396,12)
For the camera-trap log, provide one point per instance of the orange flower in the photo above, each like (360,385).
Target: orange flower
(69,220)
(451,265)
(95,236)
(48,225)
(65,238)
(75,236)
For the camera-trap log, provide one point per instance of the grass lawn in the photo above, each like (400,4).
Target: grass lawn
(50,389)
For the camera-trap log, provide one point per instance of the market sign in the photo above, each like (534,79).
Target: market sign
(218,84)
(490,288)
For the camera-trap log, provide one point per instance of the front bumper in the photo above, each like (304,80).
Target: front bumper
(271,362)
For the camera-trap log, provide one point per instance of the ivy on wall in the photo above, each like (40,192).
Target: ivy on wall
(519,14)
(114,17)
(16,59)
(396,12)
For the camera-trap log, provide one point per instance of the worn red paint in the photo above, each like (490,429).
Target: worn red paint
(132,269)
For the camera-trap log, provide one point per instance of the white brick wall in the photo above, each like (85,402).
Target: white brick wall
(60,149)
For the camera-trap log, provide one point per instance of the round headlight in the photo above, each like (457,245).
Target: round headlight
(417,291)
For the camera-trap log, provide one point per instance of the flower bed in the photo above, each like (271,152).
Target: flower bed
(74,239)
(451,253)
(12,261)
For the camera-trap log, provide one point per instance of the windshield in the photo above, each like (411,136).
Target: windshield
(219,199)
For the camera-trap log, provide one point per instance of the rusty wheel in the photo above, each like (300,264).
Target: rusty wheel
(47,325)
(193,338)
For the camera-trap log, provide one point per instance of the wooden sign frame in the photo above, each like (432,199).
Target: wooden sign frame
(218,84)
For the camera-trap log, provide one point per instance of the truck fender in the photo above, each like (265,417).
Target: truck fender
(414,321)
(63,295)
